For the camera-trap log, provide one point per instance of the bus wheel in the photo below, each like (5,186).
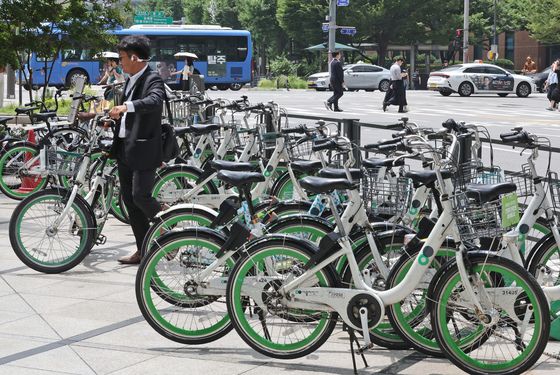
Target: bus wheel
(73,75)
(223,87)
(235,86)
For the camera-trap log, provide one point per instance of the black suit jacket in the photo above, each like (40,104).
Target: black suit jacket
(337,74)
(142,144)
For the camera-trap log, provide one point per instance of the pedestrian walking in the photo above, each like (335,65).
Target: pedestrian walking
(551,83)
(415,79)
(337,83)
(396,96)
(137,143)
(186,74)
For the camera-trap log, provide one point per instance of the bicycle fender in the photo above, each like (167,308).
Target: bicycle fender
(186,206)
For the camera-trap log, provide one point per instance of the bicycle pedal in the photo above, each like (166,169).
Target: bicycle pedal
(101,240)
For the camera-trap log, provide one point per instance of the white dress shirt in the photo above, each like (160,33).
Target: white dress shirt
(395,72)
(129,106)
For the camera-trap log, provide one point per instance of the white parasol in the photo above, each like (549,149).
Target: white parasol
(108,55)
(184,55)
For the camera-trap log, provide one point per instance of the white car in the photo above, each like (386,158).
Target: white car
(478,78)
(356,77)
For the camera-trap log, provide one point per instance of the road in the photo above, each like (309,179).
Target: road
(428,109)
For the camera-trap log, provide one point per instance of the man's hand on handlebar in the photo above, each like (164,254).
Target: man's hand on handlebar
(117,111)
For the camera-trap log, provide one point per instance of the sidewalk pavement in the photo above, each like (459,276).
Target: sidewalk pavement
(86,321)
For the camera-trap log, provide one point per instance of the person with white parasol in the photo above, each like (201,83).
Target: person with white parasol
(188,70)
(113,74)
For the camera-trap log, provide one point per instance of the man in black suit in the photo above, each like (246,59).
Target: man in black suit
(137,143)
(337,83)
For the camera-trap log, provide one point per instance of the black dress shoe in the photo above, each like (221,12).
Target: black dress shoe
(328,105)
(384,106)
(338,110)
(403,111)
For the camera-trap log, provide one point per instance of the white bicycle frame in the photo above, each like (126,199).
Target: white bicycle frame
(329,299)
(513,242)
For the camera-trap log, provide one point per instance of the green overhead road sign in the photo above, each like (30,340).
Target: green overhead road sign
(152,18)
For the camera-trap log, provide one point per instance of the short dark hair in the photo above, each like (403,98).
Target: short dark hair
(138,45)
(400,58)
(335,53)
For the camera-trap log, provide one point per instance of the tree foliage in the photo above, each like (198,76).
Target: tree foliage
(543,20)
(48,26)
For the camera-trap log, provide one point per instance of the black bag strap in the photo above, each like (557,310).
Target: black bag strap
(169,114)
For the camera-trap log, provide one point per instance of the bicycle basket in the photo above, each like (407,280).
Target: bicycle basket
(554,186)
(523,180)
(391,196)
(475,220)
(300,148)
(60,162)
(474,172)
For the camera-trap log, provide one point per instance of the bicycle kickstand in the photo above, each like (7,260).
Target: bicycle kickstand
(353,340)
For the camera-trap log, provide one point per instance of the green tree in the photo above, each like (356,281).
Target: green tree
(259,16)
(48,26)
(302,20)
(194,12)
(543,21)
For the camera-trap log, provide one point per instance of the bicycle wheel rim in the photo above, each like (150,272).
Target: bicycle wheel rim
(12,187)
(245,325)
(170,320)
(73,254)
(414,324)
(171,187)
(453,348)
(184,220)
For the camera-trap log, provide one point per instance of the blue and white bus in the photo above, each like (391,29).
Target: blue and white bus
(224,56)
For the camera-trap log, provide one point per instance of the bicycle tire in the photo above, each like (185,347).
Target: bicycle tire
(10,176)
(85,231)
(237,301)
(148,293)
(507,276)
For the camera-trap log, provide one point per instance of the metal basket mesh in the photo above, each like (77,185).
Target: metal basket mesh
(523,180)
(475,220)
(60,162)
(474,172)
(300,148)
(554,187)
(388,196)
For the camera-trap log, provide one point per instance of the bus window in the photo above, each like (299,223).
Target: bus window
(233,47)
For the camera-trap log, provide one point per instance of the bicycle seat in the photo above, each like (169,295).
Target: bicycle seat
(25,110)
(239,179)
(219,165)
(320,185)
(44,116)
(307,166)
(5,119)
(488,193)
(426,177)
(179,131)
(378,163)
(356,173)
(203,129)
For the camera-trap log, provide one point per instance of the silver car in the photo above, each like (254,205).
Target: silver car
(356,76)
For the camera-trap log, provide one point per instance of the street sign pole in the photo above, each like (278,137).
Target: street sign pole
(466,33)
(332,29)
